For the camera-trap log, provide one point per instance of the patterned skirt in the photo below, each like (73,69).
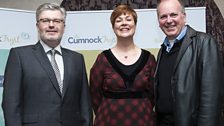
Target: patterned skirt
(125,112)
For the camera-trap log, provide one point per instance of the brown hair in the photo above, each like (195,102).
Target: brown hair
(122,9)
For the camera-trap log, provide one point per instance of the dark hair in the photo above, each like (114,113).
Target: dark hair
(122,9)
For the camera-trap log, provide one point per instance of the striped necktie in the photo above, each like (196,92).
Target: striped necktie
(56,69)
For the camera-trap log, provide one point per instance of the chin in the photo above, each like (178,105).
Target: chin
(170,33)
(53,38)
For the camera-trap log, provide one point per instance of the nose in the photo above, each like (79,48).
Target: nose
(124,22)
(169,19)
(51,23)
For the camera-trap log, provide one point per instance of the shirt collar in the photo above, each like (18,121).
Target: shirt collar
(169,45)
(48,48)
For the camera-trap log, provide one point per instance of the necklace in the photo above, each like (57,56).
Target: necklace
(125,57)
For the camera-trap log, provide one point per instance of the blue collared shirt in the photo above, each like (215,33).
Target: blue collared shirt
(179,37)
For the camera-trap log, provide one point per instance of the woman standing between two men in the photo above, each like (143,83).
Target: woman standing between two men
(121,79)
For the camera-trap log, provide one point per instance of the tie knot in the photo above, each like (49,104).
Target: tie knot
(53,51)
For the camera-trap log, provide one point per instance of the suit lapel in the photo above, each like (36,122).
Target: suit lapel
(67,70)
(185,44)
(45,63)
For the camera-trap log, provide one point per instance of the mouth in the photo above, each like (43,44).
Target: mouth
(170,28)
(124,29)
(51,31)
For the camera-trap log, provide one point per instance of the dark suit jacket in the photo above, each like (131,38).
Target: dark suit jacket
(31,95)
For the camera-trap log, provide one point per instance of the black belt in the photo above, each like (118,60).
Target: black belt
(126,94)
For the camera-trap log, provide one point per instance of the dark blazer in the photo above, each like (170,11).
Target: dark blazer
(197,81)
(31,95)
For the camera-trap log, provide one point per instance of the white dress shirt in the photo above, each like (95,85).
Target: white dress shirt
(58,57)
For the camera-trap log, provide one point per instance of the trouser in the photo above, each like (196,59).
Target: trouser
(165,120)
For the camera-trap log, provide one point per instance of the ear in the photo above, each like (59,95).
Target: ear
(37,26)
(185,17)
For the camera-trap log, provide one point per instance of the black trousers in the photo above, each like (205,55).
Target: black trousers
(165,120)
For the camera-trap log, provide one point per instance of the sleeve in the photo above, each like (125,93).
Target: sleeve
(12,90)
(152,78)
(96,80)
(85,104)
(211,74)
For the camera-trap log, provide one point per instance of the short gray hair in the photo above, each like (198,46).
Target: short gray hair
(181,4)
(50,6)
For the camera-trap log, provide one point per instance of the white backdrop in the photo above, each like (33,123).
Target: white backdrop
(88,30)
(85,30)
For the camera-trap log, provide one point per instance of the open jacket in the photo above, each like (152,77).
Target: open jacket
(197,81)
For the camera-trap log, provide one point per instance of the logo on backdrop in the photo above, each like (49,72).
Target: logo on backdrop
(1,80)
(91,40)
(12,40)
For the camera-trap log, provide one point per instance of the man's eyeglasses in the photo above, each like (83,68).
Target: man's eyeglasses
(47,21)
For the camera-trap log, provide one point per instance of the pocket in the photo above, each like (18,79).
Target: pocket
(74,118)
(30,118)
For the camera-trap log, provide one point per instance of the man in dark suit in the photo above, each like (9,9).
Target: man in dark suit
(38,92)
